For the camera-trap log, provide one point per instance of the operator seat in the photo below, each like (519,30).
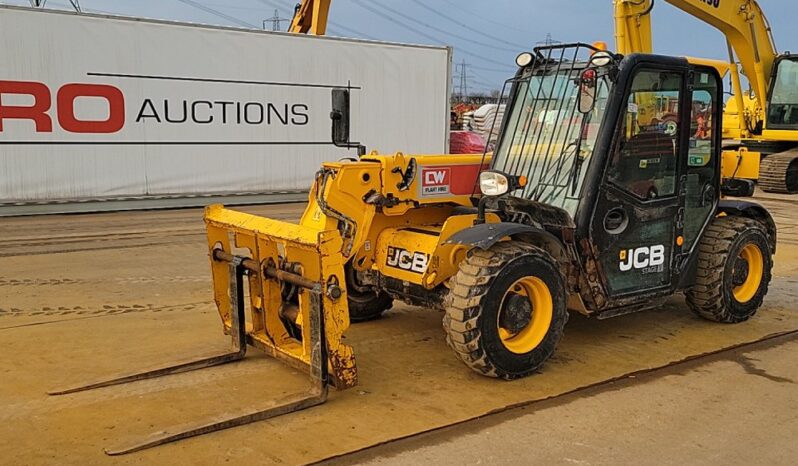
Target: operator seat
(647,159)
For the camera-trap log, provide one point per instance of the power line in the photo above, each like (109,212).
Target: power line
(482,78)
(218,14)
(489,70)
(548,40)
(470,28)
(462,88)
(275,20)
(459,7)
(355,32)
(233,7)
(424,34)
(477,75)
(484,84)
(277,5)
(336,27)
(434,28)
(463,80)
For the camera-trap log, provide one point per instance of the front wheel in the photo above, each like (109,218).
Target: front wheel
(365,302)
(734,270)
(506,310)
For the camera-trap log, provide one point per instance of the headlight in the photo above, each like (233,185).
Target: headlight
(524,60)
(601,59)
(493,183)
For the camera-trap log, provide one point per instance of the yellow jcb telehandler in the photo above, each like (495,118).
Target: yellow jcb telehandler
(587,204)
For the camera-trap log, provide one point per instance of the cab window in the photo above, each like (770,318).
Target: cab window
(783,108)
(645,157)
(700,195)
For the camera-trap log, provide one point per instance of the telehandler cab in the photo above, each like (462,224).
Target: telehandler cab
(592,200)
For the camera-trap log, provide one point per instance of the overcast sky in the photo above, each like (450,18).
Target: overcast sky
(486,34)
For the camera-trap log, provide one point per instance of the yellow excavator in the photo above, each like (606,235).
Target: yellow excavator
(764,120)
(586,205)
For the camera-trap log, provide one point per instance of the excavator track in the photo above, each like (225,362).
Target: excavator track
(778,173)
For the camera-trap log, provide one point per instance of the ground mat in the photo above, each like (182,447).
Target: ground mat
(410,381)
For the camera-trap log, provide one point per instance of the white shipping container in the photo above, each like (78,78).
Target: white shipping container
(97,107)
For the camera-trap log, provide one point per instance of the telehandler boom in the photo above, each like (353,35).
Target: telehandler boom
(586,205)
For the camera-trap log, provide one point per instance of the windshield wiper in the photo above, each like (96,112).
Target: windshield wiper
(578,159)
(577,171)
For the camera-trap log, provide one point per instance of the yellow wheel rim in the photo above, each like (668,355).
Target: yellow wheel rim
(541,304)
(751,255)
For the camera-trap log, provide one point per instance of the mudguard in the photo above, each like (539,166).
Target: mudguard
(487,234)
(751,210)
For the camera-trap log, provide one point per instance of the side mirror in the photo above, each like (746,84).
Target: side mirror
(340,117)
(588,83)
(737,187)
(340,122)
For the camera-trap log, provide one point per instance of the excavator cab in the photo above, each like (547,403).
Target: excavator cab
(783,96)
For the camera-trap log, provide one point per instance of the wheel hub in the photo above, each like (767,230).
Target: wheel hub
(516,313)
(741,271)
(525,315)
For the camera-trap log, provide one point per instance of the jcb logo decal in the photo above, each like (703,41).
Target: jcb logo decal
(403,259)
(647,259)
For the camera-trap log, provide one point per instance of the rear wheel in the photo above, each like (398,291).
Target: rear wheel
(506,310)
(367,306)
(734,270)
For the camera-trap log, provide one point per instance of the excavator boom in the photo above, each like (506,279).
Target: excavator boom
(310,17)
(742,22)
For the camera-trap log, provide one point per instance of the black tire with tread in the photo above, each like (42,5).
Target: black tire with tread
(473,301)
(778,173)
(367,306)
(364,303)
(711,297)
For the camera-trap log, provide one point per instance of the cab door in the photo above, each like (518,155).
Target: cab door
(701,166)
(639,215)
